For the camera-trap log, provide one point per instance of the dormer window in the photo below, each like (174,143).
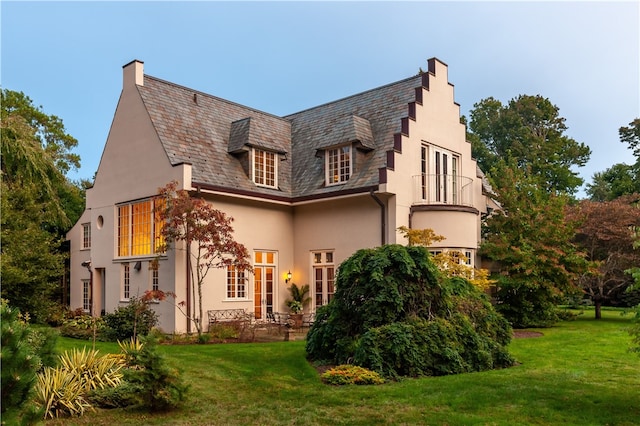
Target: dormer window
(338,165)
(265,168)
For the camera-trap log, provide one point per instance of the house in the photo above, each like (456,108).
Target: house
(305,190)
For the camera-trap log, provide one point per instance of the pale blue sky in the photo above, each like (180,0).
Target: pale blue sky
(282,57)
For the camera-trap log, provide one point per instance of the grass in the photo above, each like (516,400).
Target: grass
(578,373)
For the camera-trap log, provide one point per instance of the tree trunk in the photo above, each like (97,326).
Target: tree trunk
(598,304)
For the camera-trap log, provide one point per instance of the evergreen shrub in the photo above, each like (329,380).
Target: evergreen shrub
(395,314)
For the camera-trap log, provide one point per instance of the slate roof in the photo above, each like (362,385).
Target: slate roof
(212,134)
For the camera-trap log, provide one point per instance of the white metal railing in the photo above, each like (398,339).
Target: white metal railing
(442,189)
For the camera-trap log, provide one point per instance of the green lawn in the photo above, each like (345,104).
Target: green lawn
(578,373)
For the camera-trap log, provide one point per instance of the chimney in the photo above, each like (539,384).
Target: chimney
(133,74)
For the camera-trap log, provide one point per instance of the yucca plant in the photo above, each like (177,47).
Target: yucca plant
(60,393)
(93,371)
(129,350)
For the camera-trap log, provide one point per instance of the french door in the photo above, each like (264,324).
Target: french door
(323,278)
(440,169)
(263,283)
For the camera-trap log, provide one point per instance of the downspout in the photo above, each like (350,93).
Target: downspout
(383,225)
(188,269)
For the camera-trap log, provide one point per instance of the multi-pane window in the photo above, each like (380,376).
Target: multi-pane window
(338,165)
(139,228)
(323,277)
(155,279)
(86,235)
(236,283)
(265,168)
(126,281)
(440,175)
(86,295)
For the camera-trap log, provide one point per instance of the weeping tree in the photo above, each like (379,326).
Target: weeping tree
(394,313)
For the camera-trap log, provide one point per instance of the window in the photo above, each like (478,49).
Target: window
(338,165)
(323,277)
(139,228)
(86,235)
(265,168)
(236,283)
(126,281)
(468,260)
(86,295)
(439,169)
(155,279)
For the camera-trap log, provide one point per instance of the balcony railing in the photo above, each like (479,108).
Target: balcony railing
(443,189)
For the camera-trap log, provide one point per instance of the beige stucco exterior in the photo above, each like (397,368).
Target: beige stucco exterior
(135,163)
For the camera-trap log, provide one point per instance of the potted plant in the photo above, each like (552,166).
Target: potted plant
(299,298)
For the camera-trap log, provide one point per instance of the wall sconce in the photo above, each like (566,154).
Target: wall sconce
(288,277)
(137,266)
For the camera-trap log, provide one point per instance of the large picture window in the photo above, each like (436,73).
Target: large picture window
(265,170)
(139,228)
(338,165)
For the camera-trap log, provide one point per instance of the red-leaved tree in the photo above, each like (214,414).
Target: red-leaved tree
(607,233)
(207,238)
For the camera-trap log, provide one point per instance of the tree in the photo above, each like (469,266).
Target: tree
(620,179)
(532,243)
(452,263)
(607,234)
(39,203)
(207,236)
(394,313)
(529,132)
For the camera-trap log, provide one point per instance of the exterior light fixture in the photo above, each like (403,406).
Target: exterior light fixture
(288,277)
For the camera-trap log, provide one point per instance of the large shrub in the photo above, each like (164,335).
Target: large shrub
(393,313)
(135,319)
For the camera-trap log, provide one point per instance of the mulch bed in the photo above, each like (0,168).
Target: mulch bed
(521,334)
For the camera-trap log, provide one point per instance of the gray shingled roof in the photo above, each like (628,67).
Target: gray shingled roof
(212,134)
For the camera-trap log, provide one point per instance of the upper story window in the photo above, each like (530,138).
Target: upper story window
(86,235)
(440,175)
(338,165)
(139,228)
(265,168)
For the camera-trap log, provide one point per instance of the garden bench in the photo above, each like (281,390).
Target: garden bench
(227,315)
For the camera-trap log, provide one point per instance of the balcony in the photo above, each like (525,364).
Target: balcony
(442,190)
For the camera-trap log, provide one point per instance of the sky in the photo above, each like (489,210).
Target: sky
(284,57)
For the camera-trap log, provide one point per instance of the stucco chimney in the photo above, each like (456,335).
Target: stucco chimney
(133,73)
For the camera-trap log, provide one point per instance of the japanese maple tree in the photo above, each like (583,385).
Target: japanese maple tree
(207,235)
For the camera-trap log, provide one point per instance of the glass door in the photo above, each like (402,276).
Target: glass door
(263,284)
(323,278)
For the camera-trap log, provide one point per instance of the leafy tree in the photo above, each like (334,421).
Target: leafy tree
(620,179)
(530,132)
(532,243)
(207,236)
(48,129)
(606,233)
(395,314)
(451,263)
(39,203)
